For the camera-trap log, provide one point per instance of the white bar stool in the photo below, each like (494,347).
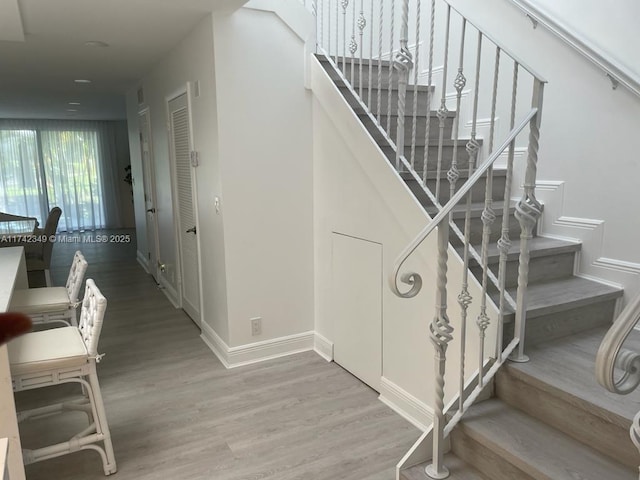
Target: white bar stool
(65,355)
(53,304)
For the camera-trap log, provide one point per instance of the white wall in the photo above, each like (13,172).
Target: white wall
(612,28)
(252,127)
(192,60)
(264,115)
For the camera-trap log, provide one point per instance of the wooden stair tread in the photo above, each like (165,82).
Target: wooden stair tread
(476,209)
(433,114)
(565,368)
(431,175)
(563,294)
(447,142)
(535,448)
(365,61)
(539,247)
(459,470)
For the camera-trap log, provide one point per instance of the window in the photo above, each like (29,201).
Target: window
(56,164)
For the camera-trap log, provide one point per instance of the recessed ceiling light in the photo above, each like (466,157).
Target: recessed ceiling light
(82,80)
(96,43)
(72,110)
(74,103)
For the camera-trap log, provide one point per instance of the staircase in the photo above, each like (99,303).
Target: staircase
(548,419)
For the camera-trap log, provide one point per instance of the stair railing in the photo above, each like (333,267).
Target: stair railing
(394,93)
(375,48)
(613,358)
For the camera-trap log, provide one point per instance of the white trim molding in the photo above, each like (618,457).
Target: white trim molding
(169,291)
(592,263)
(619,265)
(323,347)
(406,405)
(232,357)
(142,260)
(617,73)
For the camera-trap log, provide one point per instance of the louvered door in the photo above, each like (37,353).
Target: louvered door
(186,217)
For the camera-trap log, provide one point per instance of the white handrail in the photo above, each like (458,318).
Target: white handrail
(414,279)
(617,73)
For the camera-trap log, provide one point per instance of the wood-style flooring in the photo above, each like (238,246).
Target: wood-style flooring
(176,413)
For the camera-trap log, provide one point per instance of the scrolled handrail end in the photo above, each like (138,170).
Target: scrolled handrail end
(411,278)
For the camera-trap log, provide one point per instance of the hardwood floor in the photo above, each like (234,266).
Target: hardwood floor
(176,413)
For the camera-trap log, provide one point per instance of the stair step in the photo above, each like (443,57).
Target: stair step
(563,307)
(558,387)
(458,469)
(476,221)
(421,122)
(375,81)
(507,444)
(551,259)
(447,155)
(565,294)
(422,107)
(499,182)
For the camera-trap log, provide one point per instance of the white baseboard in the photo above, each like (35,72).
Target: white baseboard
(323,347)
(405,404)
(169,292)
(142,260)
(232,357)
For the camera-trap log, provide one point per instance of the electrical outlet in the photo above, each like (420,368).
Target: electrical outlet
(256,326)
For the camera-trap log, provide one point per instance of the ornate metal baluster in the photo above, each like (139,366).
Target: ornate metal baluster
(464,299)
(390,86)
(362,23)
(528,210)
(429,78)
(320,26)
(345,4)
(337,33)
(370,84)
(416,71)
(353,46)
(504,243)
(488,218)
(441,334)
(380,40)
(472,147)
(442,111)
(403,63)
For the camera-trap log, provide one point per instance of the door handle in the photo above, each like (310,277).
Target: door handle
(151,210)
(192,230)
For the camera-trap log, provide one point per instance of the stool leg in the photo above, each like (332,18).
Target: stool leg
(101,421)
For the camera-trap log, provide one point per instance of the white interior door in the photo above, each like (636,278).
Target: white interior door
(356,300)
(149,192)
(186,215)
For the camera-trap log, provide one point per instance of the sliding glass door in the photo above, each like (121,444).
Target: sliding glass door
(45,167)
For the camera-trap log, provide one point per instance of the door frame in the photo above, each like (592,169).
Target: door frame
(151,181)
(185,89)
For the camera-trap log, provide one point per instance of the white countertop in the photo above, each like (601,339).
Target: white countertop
(13,274)
(10,261)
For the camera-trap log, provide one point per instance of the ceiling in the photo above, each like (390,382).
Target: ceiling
(42,51)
